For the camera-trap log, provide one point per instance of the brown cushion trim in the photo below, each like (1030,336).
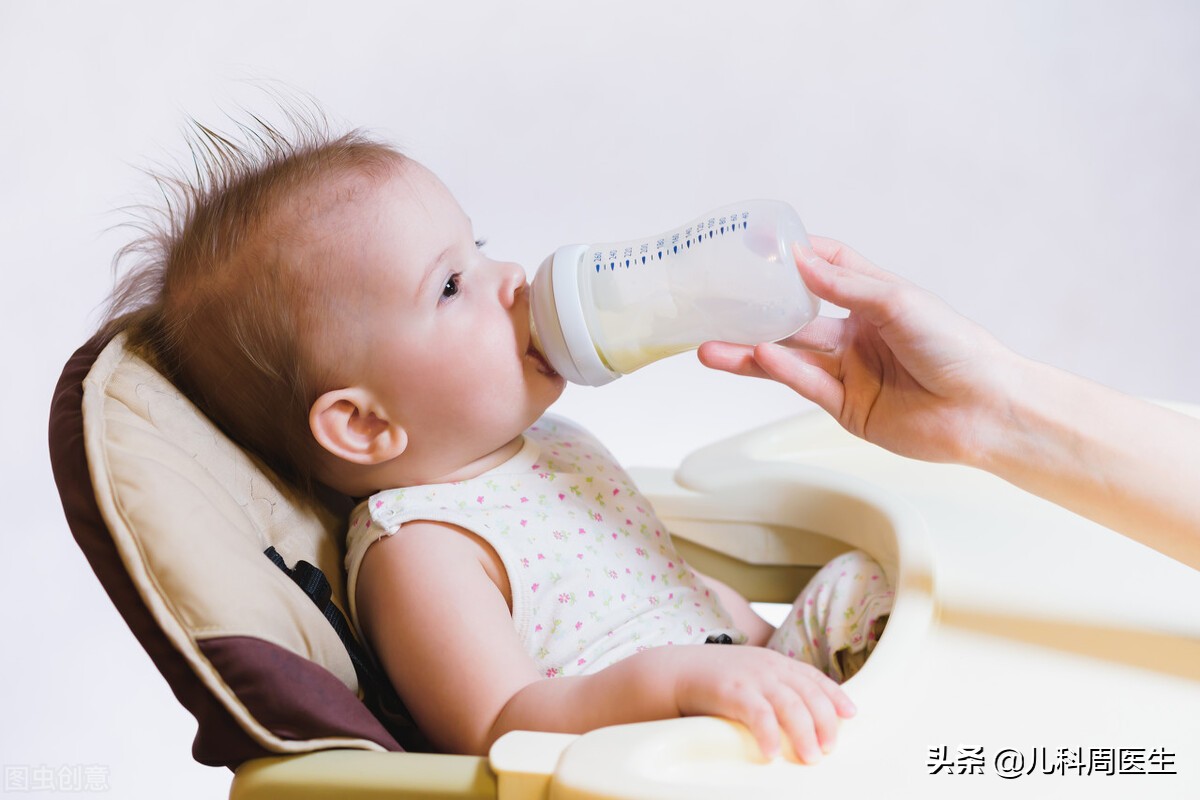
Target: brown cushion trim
(291,696)
(220,741)
(69,462)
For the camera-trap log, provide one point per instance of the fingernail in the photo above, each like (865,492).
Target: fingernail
(805,253)
(771,347)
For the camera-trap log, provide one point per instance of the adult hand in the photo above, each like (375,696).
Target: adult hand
(906,372)
(903,370)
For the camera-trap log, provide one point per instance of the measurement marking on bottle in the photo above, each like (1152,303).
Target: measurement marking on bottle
(694,234)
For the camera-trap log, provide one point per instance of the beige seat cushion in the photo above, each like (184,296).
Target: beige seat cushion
(191,515)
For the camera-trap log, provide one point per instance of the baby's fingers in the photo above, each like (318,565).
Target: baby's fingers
(837,695)
(809,722)
(833,690)
(759,717)
(827,704)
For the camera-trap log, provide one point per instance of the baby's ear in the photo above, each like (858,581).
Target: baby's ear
(350,425)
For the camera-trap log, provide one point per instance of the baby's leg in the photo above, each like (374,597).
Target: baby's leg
(838,617)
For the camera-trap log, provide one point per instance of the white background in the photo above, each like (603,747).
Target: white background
(1035,163)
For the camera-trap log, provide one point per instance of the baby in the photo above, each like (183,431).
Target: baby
(325,301)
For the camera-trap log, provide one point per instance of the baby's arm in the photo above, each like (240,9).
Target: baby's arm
(430,602)
(766,691)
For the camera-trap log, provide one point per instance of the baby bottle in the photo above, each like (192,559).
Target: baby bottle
(600,311)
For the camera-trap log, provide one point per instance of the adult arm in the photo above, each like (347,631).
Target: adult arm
(908,373)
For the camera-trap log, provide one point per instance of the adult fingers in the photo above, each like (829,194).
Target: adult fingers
(792,368)
(853,283)
(735,358)
(843,255)
(840,284)
(823,335)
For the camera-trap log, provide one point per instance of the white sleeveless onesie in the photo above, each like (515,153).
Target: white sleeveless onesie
(594,575)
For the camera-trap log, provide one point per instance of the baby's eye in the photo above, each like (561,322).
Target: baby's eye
(479,243)
(452,286)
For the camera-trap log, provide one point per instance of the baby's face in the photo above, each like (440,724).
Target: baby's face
(444,329)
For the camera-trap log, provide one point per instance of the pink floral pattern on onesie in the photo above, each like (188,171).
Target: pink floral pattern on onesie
(837,610)
(594,574)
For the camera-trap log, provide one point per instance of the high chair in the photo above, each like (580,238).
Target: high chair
(205,557)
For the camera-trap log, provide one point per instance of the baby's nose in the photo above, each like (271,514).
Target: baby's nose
(512,282)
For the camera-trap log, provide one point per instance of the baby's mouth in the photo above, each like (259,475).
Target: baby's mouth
(543,366)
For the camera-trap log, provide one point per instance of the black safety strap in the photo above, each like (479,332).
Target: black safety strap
(378,693)
(314,584)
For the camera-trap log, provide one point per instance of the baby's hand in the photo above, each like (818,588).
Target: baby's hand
(767,692)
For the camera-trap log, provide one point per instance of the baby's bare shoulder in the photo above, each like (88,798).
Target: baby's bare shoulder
(429,546)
